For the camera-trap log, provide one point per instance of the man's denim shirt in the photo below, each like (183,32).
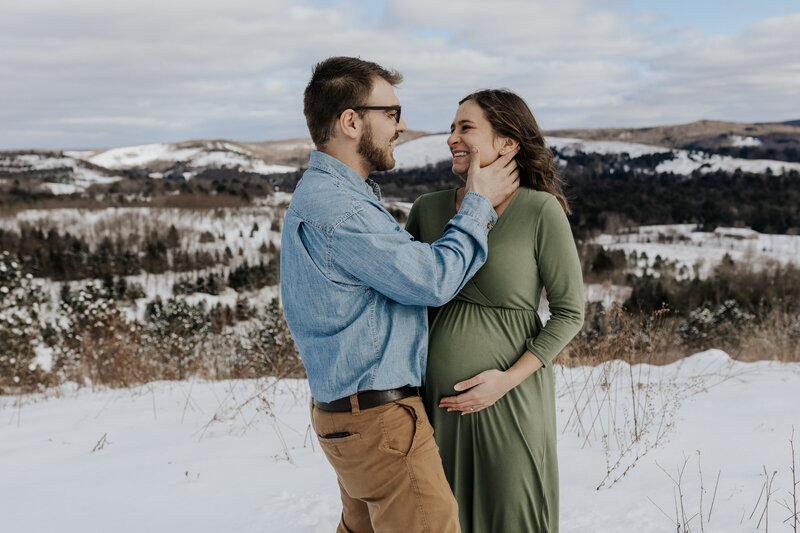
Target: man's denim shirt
(355,285)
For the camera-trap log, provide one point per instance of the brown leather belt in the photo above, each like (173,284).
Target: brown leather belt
(368,399)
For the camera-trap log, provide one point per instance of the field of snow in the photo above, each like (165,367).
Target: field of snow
(680,246)
(688,249)
(422,151)
(232,227)
(432,149)
(239,456)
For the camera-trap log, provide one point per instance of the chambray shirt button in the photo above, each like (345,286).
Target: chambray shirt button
(490,224)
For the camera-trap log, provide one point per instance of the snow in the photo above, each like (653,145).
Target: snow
(606,293)
(570,147)
(293,145)
(279,198)
(215,155)
(44,357)
(237,159)
(741,233)
(687,162)
(230,227)
(422,151)
(432,149)
(61,188)
(79,154)
(80,177)
(175,456)
(131,156)
(683,246)
(736,140)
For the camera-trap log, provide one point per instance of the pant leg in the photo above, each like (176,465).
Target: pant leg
(355,515)
(389,462)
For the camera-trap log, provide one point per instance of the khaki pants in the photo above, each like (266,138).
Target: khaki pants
(389,470)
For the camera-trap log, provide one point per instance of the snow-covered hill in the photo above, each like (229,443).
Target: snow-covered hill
(421,152)
(61,174)
(432,149)
(73,171)
(194,456)
(689,252)
(201,154)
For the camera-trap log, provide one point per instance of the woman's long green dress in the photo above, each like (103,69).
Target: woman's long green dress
(501,462)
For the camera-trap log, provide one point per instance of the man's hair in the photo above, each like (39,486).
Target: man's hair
(336,84)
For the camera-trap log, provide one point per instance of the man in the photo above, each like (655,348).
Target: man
(355,287)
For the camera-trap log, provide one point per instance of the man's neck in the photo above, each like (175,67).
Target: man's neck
(350,158)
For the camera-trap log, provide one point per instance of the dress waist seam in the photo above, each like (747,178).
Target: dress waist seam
(502,308)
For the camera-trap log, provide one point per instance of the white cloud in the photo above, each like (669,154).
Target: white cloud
(536,29)
(94,74)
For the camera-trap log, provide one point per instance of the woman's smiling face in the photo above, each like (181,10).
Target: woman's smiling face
(470,129)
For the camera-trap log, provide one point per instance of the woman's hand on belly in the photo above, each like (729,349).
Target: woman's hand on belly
(489,386)
(481,392)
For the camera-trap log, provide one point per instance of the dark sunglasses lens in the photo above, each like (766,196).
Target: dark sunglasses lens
(397,115)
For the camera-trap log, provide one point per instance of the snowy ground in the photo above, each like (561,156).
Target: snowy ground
(181,456)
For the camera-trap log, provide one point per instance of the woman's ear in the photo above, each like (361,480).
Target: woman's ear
(507,144)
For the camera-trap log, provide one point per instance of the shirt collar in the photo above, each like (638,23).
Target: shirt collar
(352,179)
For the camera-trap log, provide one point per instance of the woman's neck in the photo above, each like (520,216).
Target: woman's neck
(461,191)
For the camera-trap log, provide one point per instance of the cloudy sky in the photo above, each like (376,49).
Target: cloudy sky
(94,73)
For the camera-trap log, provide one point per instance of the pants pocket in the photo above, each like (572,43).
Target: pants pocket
(338,446)
(400,424)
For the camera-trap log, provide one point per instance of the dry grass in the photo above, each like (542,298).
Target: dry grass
(198,201)
(775,337)
(621,400)
(686,516)
(616,334)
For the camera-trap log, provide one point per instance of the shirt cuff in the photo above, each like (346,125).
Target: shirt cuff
(478,207)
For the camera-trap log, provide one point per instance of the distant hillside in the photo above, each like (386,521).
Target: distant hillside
(252,169)
(48,172)
(295,152)
(776,140)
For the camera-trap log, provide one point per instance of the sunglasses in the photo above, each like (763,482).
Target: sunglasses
(395,108)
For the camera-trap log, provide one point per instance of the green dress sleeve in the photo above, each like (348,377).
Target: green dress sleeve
(414,227)
(412,224)
(560,272)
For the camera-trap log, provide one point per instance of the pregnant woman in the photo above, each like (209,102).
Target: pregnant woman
(489,385)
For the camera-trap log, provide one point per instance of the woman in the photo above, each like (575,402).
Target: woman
(497,438)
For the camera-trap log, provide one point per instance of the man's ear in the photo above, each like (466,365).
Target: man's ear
(349,124)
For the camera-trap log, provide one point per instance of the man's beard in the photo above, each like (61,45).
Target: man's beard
(378,159)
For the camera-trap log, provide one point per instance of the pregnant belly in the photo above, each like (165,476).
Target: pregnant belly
(467,338)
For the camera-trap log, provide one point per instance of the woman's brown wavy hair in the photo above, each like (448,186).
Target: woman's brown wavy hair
(511,117)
